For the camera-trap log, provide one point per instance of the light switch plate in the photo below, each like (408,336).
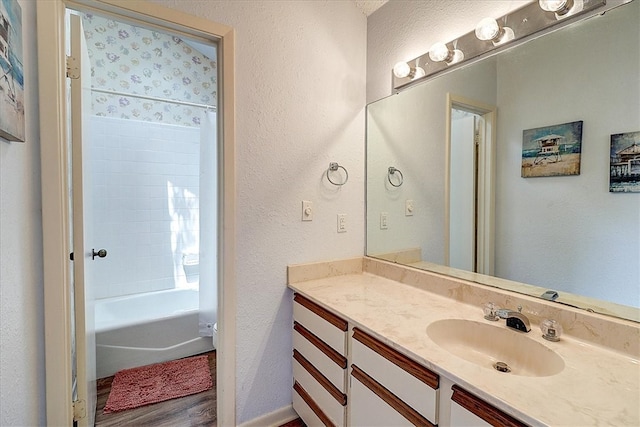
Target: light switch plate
(307,210)
(408,208)
(384,220)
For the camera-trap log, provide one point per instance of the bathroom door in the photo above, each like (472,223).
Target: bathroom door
(85,253)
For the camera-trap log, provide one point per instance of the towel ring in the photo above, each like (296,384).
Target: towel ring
(334,167)
(392,171)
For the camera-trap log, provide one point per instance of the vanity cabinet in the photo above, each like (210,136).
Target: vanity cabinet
(387,387)
(345,376)
(319,364)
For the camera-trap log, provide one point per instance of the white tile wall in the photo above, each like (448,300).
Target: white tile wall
(144,188)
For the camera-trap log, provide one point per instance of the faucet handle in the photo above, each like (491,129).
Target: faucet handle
(503,313)
(491,311)
(551,330)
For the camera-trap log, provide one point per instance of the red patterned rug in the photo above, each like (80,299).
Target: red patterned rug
(132,388)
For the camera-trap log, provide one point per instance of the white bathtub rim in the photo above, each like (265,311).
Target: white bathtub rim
(155,349)
(117,319)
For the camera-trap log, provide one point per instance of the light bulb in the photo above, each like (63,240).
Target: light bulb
(487,29)
(562,8)
(401,70)
(553,5)
(439,52)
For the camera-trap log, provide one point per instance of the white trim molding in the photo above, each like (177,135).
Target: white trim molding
(55,212)
(273,419)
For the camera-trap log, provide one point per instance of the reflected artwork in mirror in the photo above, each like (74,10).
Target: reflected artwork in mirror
(566,234)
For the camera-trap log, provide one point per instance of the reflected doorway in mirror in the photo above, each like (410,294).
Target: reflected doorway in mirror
(469,184)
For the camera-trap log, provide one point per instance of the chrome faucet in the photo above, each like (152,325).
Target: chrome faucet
(515,319)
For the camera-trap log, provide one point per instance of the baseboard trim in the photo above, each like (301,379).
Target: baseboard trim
(273,419)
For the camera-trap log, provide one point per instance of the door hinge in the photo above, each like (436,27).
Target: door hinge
(476,138)
(73,68)
(79,409)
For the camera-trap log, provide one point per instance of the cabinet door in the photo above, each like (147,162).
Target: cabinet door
(368,410)
(460,417)
(308,409)
(372,404)
(406,379)
(328,398)
(469,410)
(328,361)
(322,323)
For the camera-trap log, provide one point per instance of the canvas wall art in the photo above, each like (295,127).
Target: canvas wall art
(624,167)
(552,150)
(11,72)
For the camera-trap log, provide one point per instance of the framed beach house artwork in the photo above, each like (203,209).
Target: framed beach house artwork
(12,126)
(552,150)
(624,166)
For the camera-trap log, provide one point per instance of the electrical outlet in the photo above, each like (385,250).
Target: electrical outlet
(307,210)
(342,223)
(408,208)
(384,220)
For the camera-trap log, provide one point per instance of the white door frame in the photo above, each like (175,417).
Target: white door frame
(485,245)
(55,193)
(83,228)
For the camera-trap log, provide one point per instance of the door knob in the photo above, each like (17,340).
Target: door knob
(101,253)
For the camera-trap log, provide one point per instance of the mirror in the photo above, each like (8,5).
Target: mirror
(569,233)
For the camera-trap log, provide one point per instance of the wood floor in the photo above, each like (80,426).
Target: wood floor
(195,410)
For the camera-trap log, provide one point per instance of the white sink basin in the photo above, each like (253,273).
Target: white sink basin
(485,344)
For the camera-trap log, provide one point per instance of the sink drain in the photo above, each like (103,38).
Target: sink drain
(502,367)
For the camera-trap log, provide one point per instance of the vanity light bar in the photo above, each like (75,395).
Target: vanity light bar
(522,24)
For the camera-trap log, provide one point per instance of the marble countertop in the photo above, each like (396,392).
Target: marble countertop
(597,386)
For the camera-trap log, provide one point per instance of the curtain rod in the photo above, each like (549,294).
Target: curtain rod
(153,98)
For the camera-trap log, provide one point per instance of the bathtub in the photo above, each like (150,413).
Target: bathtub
(146,328)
